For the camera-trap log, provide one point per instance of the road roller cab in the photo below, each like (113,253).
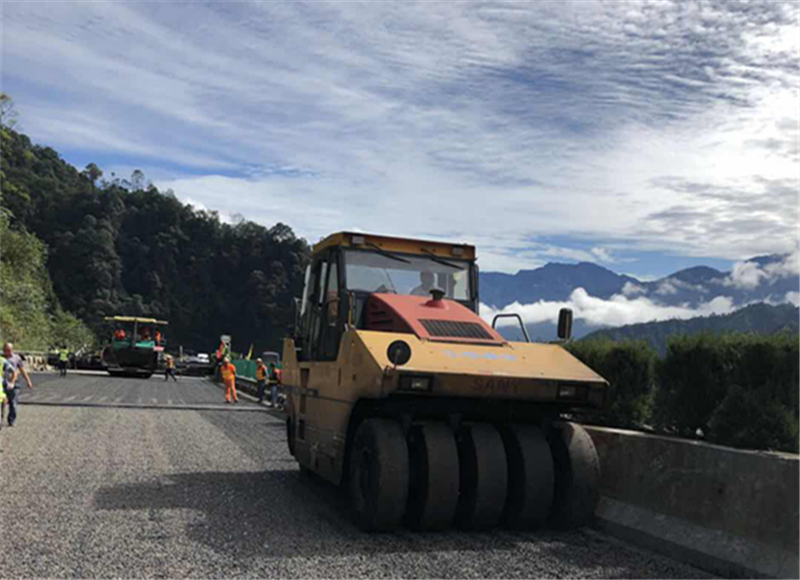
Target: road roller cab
(397,389)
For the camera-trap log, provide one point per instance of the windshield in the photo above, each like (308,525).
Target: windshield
(373,272)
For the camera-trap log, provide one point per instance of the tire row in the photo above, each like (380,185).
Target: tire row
(476,478)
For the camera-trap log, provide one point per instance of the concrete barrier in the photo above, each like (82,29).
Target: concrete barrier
(36,361)
(728,511)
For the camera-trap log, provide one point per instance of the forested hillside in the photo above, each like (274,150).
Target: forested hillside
(756,318)
(124,247)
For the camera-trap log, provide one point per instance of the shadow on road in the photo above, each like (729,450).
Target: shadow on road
(282,513)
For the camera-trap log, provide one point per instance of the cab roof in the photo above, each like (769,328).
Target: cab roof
(135,319)
(393,244)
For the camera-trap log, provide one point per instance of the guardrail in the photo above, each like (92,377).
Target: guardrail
(728,511)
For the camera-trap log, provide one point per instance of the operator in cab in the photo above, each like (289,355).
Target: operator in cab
(428,281)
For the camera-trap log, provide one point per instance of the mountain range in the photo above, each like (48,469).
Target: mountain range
(771,280)
(764,278)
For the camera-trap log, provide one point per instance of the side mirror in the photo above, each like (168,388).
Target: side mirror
(564,324)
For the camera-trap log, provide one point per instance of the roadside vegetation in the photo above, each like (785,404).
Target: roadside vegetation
(737,389)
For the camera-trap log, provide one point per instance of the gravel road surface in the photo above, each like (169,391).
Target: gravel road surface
(104,478)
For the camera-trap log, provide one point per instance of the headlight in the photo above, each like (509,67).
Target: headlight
(398,353)
(573,392)
(415,383)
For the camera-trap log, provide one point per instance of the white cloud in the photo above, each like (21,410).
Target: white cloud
(616,311)
(631,289)
(789,266)
(750,275)
(603,255)
(793,298)
(666,288)
(746,275)
(642,277)
(491,123)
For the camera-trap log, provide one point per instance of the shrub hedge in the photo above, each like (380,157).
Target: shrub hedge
(733,389)
(628,367)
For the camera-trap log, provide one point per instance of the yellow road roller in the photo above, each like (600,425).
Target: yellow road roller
(398,390)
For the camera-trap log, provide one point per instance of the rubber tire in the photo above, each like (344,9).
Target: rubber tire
(531,477)
(577,471)
(483,477)
(379,475)
(434,477)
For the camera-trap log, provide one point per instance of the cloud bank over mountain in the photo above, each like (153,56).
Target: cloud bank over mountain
(615,311)
(600,298)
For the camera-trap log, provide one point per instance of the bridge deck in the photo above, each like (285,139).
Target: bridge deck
(107,477)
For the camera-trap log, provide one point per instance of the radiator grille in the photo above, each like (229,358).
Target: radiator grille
(455,329)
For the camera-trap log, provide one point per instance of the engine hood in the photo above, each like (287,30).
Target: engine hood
(436,320)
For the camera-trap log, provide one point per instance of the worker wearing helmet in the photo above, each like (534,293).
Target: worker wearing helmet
(228,373)
(169,368)
(261,379)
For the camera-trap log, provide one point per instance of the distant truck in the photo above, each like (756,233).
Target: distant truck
(135,345)
(271,357)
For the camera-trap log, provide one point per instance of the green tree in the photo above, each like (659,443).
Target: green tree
(748,419)
(114,248)
(92,173)
(137,180)
(8,115)
(628,366)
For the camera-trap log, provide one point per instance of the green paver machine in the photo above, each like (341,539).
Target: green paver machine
(135,346)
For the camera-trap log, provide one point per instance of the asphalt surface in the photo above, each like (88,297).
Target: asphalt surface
(105,478)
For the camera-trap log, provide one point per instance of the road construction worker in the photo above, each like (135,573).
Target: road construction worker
(63,360)
(274,381)
(228,373)
(169,368)
(261,378)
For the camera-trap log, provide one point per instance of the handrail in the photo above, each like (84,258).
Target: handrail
(512,315)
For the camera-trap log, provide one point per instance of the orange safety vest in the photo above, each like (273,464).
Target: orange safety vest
(228,372)
(261,372)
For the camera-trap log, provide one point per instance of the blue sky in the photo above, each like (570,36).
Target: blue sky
(644,136)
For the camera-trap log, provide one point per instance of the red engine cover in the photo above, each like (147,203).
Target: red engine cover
(438,320)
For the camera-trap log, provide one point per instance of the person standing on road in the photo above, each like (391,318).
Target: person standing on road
(261,379)
(274,381)
(11,371)
(63,359)
(228,373)
(169,368)
(3,392)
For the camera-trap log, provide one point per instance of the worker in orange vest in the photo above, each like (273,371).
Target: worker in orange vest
(261,379)
(228,373)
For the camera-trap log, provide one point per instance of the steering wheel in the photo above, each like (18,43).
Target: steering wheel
(384,289)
